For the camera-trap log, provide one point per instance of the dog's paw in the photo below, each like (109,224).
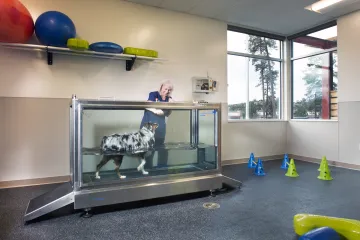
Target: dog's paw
(122,176)
(97,177)
(145,172)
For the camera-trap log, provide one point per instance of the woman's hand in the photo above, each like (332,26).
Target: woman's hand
(159,112)
(156,111)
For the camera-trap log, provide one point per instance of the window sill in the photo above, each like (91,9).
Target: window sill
(280,120)
(313,120)
(254,120)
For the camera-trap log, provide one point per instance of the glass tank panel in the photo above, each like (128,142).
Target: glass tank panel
(186,143)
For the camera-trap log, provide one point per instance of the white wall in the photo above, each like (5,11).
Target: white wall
(34,138)
(313,139)
(348,55)
(192,46)
(339,141)
(260,138)
(349,85)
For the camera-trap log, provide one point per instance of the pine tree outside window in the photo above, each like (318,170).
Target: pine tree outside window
(255,66)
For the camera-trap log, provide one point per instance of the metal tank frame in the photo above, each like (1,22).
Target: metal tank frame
(126,190)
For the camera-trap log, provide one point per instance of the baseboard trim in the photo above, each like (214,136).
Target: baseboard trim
(245,160)
(61,179)
(295,157)
(33,182)
(330,162)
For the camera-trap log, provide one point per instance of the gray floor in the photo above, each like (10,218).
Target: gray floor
(262,209)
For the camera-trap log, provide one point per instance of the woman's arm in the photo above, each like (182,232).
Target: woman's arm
(152,98)
(156,111)
(167,113)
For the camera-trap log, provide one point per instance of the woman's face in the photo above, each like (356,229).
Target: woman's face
(165,90)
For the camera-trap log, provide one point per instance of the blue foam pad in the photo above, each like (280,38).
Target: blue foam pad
(323,233)
(107,47)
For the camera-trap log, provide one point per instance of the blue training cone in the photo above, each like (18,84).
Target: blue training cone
(251,163)
(285,163)
(259,170)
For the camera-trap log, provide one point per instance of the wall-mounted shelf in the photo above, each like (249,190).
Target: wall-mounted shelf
(130,59)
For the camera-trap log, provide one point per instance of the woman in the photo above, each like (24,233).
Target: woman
(158,116)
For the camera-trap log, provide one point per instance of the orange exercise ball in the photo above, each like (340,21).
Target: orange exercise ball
(16,23)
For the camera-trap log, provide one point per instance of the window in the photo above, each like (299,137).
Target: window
(314,75)
(254,76)
(314,42)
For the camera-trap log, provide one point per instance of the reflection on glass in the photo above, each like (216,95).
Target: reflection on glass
(311,87)
(237,78)
(178,154)
(335,71)
(334,87)
(253,88)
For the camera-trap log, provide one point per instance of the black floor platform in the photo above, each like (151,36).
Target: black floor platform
(262,209)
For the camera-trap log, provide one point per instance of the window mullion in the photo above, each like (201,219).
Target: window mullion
(247,89)
(331,80)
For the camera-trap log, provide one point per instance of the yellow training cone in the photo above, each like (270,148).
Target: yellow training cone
(291,172)
(325,173)
(324,164)
(323,161)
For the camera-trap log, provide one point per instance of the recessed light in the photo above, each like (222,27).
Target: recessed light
(316,7)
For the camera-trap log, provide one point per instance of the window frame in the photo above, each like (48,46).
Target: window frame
(315,53)
(281,61)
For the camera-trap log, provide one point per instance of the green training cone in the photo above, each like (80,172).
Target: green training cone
(323,161)
(325,173)
(291,172)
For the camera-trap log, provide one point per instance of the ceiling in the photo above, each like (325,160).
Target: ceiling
(284,17)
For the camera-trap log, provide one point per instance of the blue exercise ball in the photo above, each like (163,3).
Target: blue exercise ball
(54,28)
(322,233)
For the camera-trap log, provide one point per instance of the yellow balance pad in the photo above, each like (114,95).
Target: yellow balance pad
(141,52)
(348,228)
(77,44)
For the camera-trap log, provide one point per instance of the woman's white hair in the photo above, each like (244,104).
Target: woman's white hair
(167,83)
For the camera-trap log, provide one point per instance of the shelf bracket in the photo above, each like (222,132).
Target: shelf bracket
(130,63)
(49,57)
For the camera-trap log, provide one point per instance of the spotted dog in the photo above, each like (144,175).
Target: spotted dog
(138,145)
